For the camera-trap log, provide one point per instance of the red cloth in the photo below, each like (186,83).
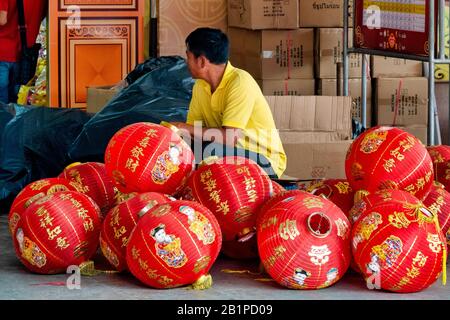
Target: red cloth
(35,11)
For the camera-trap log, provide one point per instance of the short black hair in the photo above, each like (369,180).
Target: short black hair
(212,43)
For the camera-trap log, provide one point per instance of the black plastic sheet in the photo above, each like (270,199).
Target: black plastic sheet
(34,145)
(160,89)
(39,142)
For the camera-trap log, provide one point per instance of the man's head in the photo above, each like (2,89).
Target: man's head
(206,45)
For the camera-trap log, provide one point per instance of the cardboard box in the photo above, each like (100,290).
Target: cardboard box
(289,87)
(394,67)
(98,97)
(267,14)
(312,113)
(419,131)
(323,14)
(409,96)
(176,19)
(327,87)
(273,54)
(295,136)
(316,160)
(329,49)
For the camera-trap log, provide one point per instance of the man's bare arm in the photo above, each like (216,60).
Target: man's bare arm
(3,17)
(225,135)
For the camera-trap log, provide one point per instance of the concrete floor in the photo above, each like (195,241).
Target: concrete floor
(16,283)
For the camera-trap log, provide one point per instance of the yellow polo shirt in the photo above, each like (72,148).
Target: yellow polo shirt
(239,103)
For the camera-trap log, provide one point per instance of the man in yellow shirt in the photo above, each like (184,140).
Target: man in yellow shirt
(228,107)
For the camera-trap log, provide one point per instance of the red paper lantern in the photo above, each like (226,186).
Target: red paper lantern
(303,240)
(277,188)
(438,202)
(94,182)
(33,192)
(439,153)
(389,158)
(57,231)
(398,245)
(337,191)
(441,159)
(233,188)
(121,197)
(442,173)
(147,157)
(175,244)
(120,222)
(365,202)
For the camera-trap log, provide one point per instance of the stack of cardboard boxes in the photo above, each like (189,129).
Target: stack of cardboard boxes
(265,40)
(293,47)
(268,40)
(315,132)
(400,95)
(326,17)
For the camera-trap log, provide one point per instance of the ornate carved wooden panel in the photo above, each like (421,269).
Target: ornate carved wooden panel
(177,18)
(99,4)
(92,43)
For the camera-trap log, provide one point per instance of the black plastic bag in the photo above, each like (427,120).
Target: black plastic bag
(34,145)
(161,90)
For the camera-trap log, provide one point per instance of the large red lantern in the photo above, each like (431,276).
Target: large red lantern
(441,159)
(439,153)
(303,240)
(337,191)
(277,188)
(175,244)
(398,245)
(389,158)
(57,231)
(233,188)
(438,202)
(364,202)
(120,222)
(147,157)
(33,192)
(94,182)
(121,197)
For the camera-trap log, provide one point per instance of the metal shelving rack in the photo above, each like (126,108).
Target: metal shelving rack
(432,59)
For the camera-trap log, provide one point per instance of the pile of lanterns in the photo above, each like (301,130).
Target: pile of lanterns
(151,212)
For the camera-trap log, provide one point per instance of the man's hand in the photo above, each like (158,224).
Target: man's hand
(225,135)
(184,127)
(3,17)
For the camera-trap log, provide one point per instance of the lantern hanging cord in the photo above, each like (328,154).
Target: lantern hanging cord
(444,253)
(203,283)
(264,279)
(444,265)
(87,268)
(241,272)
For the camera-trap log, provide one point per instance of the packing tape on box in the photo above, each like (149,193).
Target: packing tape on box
(270,54)
(267,54)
